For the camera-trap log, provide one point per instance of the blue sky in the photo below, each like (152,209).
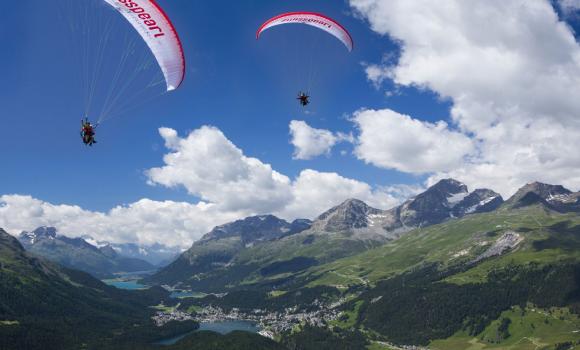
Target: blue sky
(233,82)
(426,94)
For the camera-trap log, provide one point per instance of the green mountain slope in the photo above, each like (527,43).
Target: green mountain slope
(454,281)
(267,253)
(458,284)
(541,236)
(43,306)
(264,265)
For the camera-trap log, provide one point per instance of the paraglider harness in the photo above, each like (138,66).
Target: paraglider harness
(88,132)
(304,99)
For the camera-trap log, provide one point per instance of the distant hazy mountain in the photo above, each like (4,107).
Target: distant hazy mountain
(156,254)
(263,246)
(76,253)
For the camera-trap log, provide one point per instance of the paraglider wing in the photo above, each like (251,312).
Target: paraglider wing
(148,18)
(312,19)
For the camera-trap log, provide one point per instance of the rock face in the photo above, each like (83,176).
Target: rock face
(76,253)
(256,229)
(41,233)
(445,200)
(352,214)
(553,197)
(478,201)
(507,241)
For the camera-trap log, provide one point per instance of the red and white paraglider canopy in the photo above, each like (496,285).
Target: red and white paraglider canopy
(151,22)
(312,19)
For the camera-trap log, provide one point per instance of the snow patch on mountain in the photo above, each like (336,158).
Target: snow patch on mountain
(456,198)
(481,203)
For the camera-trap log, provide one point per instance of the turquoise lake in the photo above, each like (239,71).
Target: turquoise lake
(130,284)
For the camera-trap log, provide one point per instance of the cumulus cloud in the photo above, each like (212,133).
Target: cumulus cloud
(377,74)
(310,142)
(394,141)
(209,166)
(315,192)
(143,222)
(513,86)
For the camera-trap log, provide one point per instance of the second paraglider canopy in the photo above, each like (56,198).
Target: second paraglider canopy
(301,67)
(313,19)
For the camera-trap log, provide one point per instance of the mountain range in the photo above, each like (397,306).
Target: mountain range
(156,254)
(447,269)
(256,247)
(77,253)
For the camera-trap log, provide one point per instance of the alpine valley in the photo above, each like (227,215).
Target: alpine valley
(447,269)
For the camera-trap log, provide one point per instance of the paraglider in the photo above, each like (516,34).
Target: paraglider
(313,19)
(88,132)
(304,99)
(129,53)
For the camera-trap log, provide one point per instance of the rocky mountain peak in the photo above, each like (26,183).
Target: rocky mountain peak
(435,204)
(448,186)
(346,206)
(546,191)
(351,214)
(256,228)
(38,234)
(446,199)
(554,197)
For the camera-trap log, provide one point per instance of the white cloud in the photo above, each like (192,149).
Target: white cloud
(315,192)
(394,141)
(209,166)
(143,222)
(569,6)
(514,85)
(310,142)
(377,74)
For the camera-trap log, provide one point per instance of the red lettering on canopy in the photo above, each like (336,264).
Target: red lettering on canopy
(143,15)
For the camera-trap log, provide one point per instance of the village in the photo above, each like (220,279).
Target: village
(272,323)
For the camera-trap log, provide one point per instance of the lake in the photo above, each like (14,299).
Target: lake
(186,294)
(125,284)
(131,284)
(222,327)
